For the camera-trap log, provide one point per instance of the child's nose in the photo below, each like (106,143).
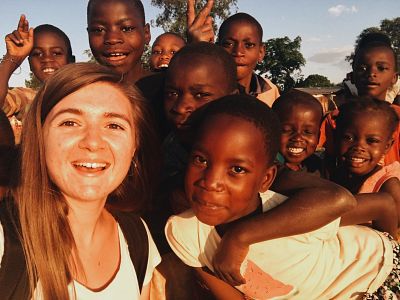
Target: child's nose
(183,105)
(212,179)
(238,49)
(112,37)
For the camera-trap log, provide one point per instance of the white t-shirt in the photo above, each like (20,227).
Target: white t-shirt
(122,286)
(329,263)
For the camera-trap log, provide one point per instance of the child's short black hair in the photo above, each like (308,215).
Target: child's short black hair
(250,109)
(374,40)
(53,29)
(170,33)
(239,17)
(207,51)
(294,97)
(136,3)
(7,150)
(364,105)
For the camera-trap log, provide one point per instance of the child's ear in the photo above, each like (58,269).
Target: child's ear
(262,53)
(147,34)
(389,145)
(268,178)
(395,78)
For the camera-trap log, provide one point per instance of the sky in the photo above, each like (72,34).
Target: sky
(328,28)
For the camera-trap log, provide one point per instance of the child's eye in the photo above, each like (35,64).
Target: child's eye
(57,53)
(173,52)
(128,28)
(171,95)
(250,45)
(348,138)
(96,29)
(199,160)
(362,68)
(227,44)
(156,52)
(238,170)
(201,95)
(36,53)
(373,140)
(382,68)
(308,132)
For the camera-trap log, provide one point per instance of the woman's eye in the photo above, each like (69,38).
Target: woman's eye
(68,123)
(238,170)
(115,126)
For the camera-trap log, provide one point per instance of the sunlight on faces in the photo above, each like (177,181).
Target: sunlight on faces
(364,142)
(300,133)
(163,49)
(190,85)
(89,142)
(117,34)
(241,39)
(49,53)
(227,169)
(374,72)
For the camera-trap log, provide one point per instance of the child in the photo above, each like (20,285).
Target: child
(164,47)
(241,35)
(117,35)
(229,173)
(363,136)
(48,48)
(374,72)
(7,153)
(300,115)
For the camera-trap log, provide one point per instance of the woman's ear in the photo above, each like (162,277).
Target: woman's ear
(268,178)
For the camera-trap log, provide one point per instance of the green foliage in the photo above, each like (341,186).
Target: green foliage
(173,15)
(89,54)
(32,82)
(315,80)
(389,27)
(146,57)
(283,61)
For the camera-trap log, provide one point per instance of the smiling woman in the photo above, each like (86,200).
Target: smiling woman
(82,155)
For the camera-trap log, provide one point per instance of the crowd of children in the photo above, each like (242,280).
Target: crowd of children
(247,193)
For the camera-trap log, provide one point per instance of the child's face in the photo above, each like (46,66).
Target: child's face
(49,53)
(374,72)
(117,35)
(189,86)
(163,49)
(364,142)
(242,41)
(226,170)
(300,133)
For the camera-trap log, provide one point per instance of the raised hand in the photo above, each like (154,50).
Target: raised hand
(19,43)
(200,27)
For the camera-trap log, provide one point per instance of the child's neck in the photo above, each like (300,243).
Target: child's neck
(222,228)
(245,82)
(294,167)
(353,182)
(135,74)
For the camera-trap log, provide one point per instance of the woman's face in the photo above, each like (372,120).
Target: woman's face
(89,140)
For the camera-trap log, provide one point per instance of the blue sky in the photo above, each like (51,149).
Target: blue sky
(328,28)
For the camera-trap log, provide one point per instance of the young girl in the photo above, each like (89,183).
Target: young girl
(47,47)
(117,36)
(363,135)
(164,48)
(374,73)
(229,173)
(300,115)
(83,159)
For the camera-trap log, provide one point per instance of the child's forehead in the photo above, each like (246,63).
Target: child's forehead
(241,25)
(168,39)
(377,52)
(96,7)
(49,38)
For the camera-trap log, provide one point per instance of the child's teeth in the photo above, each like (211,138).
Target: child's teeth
(357,160)
(295,150)
(48,70)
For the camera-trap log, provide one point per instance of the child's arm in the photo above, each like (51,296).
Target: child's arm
(220,289)
(378,207)
(313,202)
(19,44)
(200,27)
(392,186)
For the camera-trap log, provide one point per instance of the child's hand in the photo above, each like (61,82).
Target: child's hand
(229,258)
(200,27)
(19,43)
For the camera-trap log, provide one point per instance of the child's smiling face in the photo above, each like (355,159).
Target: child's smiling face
(300,133)
(117,34)
(364,142)
(374,72)
(163,49)
(227,169)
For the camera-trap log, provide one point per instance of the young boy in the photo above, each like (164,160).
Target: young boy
(241,35)
(300,115)
(164,47)
(230,170)
(117,35)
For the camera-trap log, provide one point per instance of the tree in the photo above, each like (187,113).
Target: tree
(315,80)
(173,16)
(390,27)
(32,82)
(283,61)
(89,54)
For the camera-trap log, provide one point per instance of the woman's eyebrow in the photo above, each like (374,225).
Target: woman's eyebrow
(117,115)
